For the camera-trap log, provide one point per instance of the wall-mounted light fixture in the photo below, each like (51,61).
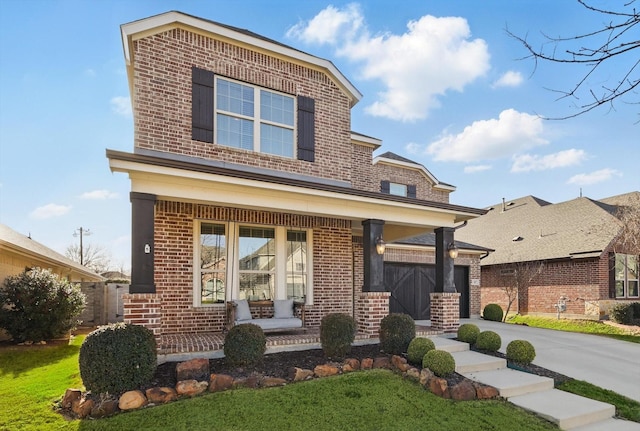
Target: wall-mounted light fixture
(453,251)
(380,245)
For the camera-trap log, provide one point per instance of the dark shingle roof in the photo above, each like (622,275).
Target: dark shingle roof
(394,156)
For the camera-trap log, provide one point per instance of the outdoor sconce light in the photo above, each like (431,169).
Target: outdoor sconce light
(453,251)
(380,245)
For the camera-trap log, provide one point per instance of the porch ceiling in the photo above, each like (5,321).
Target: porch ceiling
(188,182)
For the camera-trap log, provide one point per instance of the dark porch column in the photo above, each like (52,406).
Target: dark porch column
(373,262)
(444,262)
(142,246)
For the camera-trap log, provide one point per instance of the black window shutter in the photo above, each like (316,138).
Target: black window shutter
(411,191)
(306,133)
(385,187)
(202,105)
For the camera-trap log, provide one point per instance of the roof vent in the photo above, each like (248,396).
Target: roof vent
(517,238)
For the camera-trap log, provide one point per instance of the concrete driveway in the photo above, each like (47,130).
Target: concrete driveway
(605,362)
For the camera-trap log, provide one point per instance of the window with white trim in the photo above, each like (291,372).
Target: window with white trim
(397,189)
(254,119)
(626,276)
(241,261)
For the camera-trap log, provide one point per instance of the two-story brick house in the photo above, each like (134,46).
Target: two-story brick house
(247,181)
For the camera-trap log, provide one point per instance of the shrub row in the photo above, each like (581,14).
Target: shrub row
(520,351)
(625,313)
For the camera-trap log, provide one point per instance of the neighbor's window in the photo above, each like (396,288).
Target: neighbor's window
(257,263)
(626,276)
(254,119)
(213,259)
(296,265)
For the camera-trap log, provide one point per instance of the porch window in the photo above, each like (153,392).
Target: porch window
(238,261)
(626,276)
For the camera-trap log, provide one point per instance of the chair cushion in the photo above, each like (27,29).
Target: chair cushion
(283,308)
(242,310)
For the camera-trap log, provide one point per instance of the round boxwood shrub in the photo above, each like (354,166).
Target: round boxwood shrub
(622,313)
(521,351)
(468,333)
(493,312)
(38,305)
(418,347)
(117,358)
(489,341)
(440,362)
(244,345)
(396,332)
(337,332)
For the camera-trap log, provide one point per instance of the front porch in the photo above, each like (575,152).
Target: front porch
(181,347)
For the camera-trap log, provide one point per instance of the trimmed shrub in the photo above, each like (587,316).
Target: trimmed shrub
(117,358)
(440,362)
(622,313)
(418,347)
(244,345)
(468,332)
(489,341)
(636,310)
(493,312)
(337,332)
(38,305)
(396,332)
(521,351)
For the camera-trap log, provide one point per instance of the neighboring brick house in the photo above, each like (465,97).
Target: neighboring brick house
(246,179)
(572,246)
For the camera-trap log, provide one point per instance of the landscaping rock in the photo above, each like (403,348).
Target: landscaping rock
(161,395)
(104,409)
(325,370)
(270,382)
(70,396)
(463,391)
(191,388)
(132,400)
(82,407)
(413,374)
(367,364)
(439,387)
(299,374)
(220,382)
(350,364)
(426,375)
(382,362)
(195,369)
(484,392)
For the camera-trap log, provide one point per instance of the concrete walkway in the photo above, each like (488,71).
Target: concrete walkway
(534,393)
(602,361)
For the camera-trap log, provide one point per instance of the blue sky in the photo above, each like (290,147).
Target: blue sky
(443,85)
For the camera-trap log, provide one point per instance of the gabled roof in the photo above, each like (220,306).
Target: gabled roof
(24,245)
(174,19)
(394,159)
(429,240)
(530,229)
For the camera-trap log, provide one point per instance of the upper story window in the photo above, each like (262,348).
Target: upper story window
(397,189)
(249,117)
(626,276)
(254,119)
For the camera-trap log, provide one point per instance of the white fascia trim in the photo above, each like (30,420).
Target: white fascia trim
(147,24)
(361,139)
(417,167)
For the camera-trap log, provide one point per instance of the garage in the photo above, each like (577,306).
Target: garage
(411,284)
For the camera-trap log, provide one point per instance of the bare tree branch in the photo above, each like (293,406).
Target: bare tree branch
(94,257)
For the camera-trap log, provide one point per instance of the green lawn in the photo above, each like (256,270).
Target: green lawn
(583,326)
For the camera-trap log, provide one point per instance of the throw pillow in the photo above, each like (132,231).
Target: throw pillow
(283,308)
(242,310)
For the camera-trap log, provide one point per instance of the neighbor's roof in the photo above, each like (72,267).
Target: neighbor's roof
(24,245)
(530,229)
(162,22)
(394,159)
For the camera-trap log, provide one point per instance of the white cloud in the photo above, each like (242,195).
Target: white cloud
(528,162)
(510,133)
(90,72)
(121,105)
(404,63)
(509,79)
(594,177)
(49,211)
(476,168)
(99,195)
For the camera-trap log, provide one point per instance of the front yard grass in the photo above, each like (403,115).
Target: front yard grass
(569,325)
(625,407)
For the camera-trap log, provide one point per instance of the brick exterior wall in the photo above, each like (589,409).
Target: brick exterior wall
(372,307)
(445,311)
(361,173)
(400,175)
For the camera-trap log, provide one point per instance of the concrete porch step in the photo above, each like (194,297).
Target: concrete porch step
(449,345)
(567,410)
(612,424)
(510,382)
(468,362)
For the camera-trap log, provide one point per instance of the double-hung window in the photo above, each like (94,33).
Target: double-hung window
(241,261)
(626,276)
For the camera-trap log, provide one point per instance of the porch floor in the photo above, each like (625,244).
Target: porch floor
(180,347)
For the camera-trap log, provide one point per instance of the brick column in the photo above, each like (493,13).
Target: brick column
(445,311)
(143,309)
(371,308)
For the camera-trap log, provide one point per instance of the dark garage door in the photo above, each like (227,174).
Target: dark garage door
(410,285)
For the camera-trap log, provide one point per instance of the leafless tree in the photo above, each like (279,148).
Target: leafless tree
(629,236)
(615,41)
(94,257)
(517,277)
